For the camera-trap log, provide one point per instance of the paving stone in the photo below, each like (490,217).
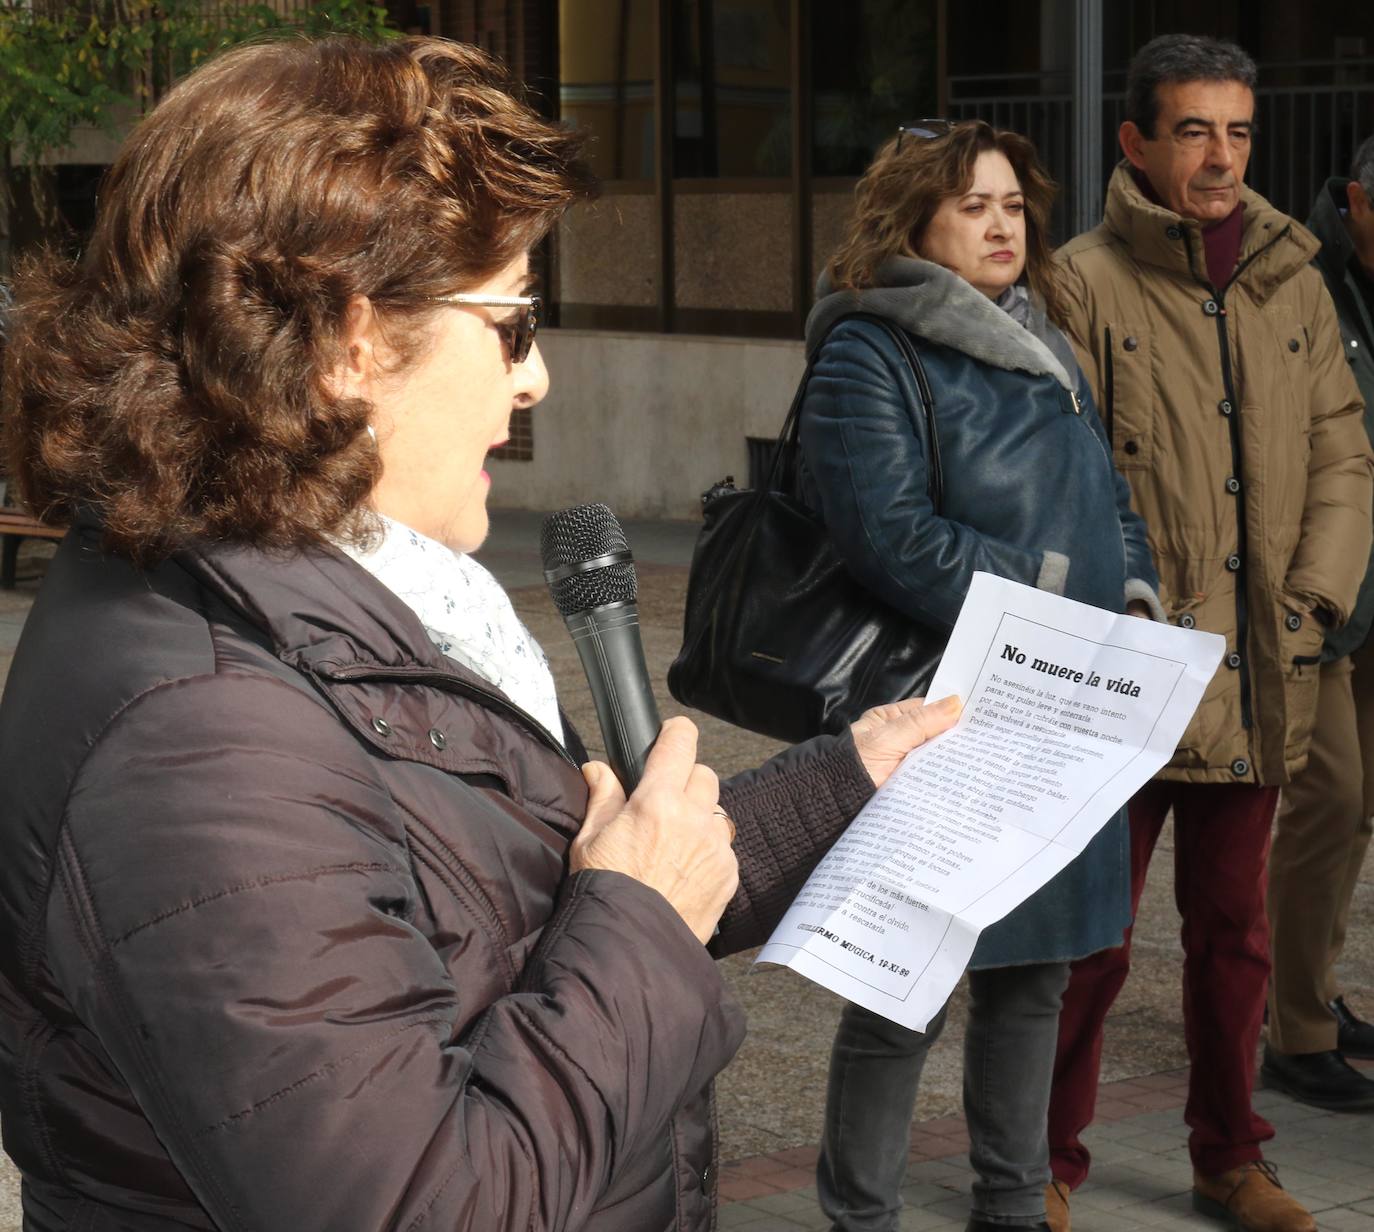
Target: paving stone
(954,1207)
(938,1172)
(739,1215)
(1286,1115)
(1109,1132)
(782,1209)
(1111,1221)
(1180,1155)
(742,1189)
(1328,1192)
(1177,1174)
(940,1225)
(921,1219)
(1170,1122)
(1109,1152)
(1333,1167)
(1175,1211)
(1151,1140)
(1100,1199)
(1346,1221)
(926,1193)
(1349,1150)
(1111,1109)
(799,1206)
(775,1223)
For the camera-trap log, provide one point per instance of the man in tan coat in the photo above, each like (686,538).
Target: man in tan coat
(1214,353)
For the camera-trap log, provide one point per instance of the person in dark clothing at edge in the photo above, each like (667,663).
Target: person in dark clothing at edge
(314,919)
(1326,812)
(1214,351)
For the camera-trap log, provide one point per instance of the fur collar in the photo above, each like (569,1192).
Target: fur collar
(933,303)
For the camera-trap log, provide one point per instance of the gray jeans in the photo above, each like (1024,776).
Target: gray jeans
(875,1068)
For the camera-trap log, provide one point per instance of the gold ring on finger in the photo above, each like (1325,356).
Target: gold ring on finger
(725,817)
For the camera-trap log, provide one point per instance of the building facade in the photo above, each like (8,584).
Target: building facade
(729,135)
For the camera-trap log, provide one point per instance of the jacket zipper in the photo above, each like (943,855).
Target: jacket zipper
(1233,426)
(452,684)
(1109,389)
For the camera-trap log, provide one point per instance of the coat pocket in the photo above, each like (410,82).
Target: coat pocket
(1129,395)
(1301,638)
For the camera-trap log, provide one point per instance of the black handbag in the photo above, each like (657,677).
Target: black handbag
(778,637)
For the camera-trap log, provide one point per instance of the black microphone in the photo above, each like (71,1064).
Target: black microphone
(591,576)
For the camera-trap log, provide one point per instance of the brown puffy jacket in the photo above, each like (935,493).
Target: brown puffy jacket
(289,937)
(1235,419)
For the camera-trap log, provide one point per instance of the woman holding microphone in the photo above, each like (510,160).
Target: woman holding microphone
(315,919)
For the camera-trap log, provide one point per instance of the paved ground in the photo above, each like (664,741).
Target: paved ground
(770,1098)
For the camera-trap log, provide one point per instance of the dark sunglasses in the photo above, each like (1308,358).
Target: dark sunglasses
(517,336)
(924,129)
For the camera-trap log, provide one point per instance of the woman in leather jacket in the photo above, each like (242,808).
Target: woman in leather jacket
(949,243)
(314,918)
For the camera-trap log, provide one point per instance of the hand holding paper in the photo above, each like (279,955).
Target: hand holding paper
(885,735)
(1069,711)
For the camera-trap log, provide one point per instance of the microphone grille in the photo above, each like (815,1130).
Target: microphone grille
(579,534)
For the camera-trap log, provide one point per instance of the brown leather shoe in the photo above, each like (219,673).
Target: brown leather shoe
(1057,1207)
(1250,1198)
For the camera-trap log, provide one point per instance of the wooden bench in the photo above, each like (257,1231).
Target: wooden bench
(15,527)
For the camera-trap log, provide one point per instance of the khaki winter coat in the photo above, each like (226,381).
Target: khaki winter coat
(1235,419)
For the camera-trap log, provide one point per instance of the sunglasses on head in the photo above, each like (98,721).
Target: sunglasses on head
(517,335)
(924,130)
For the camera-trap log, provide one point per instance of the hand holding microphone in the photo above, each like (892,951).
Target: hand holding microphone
(591,577)
(670,833)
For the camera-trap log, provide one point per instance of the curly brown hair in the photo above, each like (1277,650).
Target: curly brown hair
(904,185)
(174,379)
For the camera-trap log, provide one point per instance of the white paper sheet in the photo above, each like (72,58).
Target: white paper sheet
(1068,710)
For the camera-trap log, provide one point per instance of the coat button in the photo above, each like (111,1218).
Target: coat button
(381,726)
(1240,767)
(1210,307)
(706,1179)
(1131,447)
(1130,344)
(1224,406)
(1173,232)
(1293,621)
(1187,620)
(1294,345)
(1233,485)
(437,738)
(1233,562)
(1233,660)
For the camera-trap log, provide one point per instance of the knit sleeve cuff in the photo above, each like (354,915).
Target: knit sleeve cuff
(1138,591)
(1054,573)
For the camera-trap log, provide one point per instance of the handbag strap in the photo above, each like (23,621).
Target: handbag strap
(784,466)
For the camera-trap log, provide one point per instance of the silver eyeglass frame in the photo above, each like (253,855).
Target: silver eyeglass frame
(525,328)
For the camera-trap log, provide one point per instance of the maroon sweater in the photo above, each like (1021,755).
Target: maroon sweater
(1221,240)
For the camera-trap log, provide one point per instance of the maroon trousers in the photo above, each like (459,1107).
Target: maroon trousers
(1221,845)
